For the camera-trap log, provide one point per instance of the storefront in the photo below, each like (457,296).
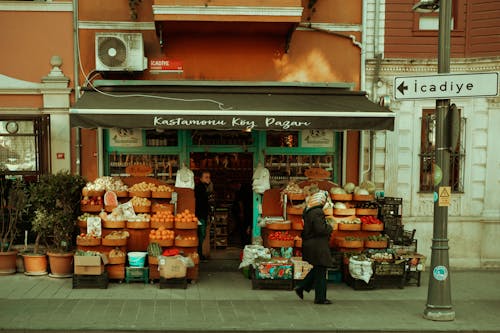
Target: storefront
(227,130)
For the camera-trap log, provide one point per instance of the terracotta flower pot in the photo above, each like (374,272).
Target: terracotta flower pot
(35,264)
(61,264)
(8,262)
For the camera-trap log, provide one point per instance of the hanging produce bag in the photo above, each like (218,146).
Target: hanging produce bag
(184,178)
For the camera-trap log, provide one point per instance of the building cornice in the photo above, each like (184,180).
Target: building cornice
(34,6)
(332,27)
(227,10)
(116,25)
(12,86)
(459,65)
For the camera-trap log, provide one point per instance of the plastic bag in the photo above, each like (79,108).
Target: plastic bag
(253,252)
(184,178)
(127,210)
(261,180)
(360,269)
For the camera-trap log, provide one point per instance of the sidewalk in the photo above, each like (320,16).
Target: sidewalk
(225,302)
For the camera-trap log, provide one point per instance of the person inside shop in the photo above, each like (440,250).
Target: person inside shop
(242,211)
(204,205)
(315,248)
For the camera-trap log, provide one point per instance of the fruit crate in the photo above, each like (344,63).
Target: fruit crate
(140,274)
(276,284)
(390,221)
(404,249)
(178,283)
(389,206)
(389,275)
(333,275)
(91,281)
(399,236)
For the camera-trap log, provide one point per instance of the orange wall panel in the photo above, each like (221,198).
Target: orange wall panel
(30,39)
(337,11)
(21,101)
(106,10)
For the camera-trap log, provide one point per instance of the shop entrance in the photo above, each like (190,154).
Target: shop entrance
(229,228)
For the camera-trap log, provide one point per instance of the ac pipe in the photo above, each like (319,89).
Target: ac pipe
(76,84)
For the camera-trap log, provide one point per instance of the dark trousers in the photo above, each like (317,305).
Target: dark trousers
(315,279)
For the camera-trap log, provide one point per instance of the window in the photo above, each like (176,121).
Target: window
(427,158)
(428,23)
(24,146)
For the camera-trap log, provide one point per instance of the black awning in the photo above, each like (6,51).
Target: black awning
(232,110)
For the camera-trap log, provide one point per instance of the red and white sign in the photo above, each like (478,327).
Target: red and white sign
(165,65)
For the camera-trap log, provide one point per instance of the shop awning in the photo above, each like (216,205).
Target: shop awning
(232,110)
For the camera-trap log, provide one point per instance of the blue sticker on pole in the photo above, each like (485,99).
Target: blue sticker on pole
(440,273)
(436,196)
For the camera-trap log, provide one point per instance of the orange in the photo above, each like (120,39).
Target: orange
(161,228)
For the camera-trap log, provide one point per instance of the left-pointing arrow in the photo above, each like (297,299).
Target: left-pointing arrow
(402,88)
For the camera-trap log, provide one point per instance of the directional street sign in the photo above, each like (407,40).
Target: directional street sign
(446,86)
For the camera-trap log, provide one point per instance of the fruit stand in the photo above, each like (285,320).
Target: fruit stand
(137,215)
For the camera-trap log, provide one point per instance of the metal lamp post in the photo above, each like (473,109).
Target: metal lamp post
(439,305)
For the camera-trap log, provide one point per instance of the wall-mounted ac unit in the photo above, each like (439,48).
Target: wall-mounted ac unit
(119,52)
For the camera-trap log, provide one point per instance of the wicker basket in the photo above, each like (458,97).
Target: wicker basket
(376,244)
(140,194)
(92,193)
(186,243)
(82,223)
(164,242)
(155,208)
(344,211)
(138,225)
(88,241)
(114,242)
(167,225)
(356,244)
(298,225)
(161,194)
(114,224)
(349,226)
(298,243)
(366,211)
(91,208)
(279,226)
(296,196)
(186,225)
(341,197)
(109,209)
(121,194)
(280,243)
(152,260)
(363,197)
(116,260)
(142,209)
(372,227)
(294,210)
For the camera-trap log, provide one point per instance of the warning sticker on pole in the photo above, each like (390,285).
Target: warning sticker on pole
(444,196)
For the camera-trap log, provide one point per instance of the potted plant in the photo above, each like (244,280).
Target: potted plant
(13,202)
(35,263)
(57,197)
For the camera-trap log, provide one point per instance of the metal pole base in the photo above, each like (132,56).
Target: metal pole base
(439,314)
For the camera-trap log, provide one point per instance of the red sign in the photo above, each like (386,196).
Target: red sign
(60,156)
(165,65)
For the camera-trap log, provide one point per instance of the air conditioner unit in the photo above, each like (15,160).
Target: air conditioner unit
(119,52)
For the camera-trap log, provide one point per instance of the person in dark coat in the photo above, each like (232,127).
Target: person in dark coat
(315,248)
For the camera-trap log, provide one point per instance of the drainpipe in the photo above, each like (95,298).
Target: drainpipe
(76,50)
(362,86)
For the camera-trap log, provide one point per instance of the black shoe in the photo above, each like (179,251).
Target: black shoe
(325,302)
(300,292)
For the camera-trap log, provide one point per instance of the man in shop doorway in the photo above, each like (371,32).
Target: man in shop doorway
(205,205)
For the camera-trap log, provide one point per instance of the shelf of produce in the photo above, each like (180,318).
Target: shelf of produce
(366,211)
(280,243)
(140,194)
(186,242)
(186,225)
(295,210)
(351,244)
(142,209)
(121,194)
(296,196)
(116,260)
(162,207)
(372,227)
(363,197)
(138,225)
(279,226)
(161,195)
(114,224)
(344,211)
(376,244)
(341,197)
(349,226)
(114,242)
(88,241)
(82,224)
(154,224)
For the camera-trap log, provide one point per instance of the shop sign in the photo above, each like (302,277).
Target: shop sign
(317,138)
(237,123)
(165,66)
(119,137)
